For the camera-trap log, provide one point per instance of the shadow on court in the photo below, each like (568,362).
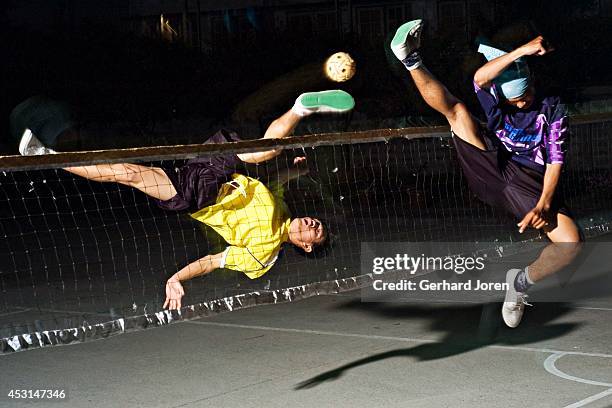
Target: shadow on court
(466,328)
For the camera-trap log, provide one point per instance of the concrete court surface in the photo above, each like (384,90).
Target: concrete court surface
(335,351)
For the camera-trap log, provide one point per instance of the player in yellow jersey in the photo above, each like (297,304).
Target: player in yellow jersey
(252,218)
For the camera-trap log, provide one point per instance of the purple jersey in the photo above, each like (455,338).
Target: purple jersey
(535,136)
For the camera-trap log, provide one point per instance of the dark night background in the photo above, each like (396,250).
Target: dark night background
(140,72)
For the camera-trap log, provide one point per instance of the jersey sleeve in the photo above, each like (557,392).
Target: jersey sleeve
(556,136)
(489,101)
(250,261)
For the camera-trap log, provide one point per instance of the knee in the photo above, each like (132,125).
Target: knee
(458,112)
(571,238)
(564,230)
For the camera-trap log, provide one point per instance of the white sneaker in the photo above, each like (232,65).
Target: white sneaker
(31,146)
(515,302)
(407,39)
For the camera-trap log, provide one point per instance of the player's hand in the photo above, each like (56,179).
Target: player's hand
(301,165)
(174,294)
(537,46)
(535,218)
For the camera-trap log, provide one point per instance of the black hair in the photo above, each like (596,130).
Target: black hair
(322,249)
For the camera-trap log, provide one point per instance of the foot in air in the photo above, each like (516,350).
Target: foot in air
(31,146)
(515,301)
(321,102)
(406,42)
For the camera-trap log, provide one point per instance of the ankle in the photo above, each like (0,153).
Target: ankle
(413,61)
(300,110)
(522,281)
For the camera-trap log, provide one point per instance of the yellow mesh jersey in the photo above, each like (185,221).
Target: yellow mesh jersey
(252,219)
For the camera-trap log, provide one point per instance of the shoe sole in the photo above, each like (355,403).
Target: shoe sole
(25,141)
(334,101)
(404,31)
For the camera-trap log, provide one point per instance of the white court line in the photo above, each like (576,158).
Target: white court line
(606,309)
(393,338)
(549,365)
(590,399)
(15,312)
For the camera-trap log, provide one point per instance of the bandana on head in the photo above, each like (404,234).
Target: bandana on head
(514,81)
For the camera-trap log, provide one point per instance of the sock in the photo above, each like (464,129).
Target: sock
(299,110)
(523,282)
(413,61)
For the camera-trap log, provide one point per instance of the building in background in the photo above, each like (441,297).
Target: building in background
(207,23)
(210,25)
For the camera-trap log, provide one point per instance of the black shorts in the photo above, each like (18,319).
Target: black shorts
(501,182)
(197,182)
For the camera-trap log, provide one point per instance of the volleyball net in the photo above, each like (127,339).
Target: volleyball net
(81,259)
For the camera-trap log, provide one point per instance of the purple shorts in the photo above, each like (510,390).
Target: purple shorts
(197,182)
(501,182)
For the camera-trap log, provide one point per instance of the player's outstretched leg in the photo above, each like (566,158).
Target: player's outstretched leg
(334,101)
(405,45)
(565,246)
(152,181)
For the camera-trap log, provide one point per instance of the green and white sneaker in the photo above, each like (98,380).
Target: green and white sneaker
(31,146)
(407,39)
(325,101)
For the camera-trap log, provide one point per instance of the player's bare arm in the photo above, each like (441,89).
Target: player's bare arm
(539,217)
(494,68)
(202,266)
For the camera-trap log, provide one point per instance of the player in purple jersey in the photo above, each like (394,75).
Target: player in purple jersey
(515,163)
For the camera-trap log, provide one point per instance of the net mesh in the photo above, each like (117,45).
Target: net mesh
(81,259)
